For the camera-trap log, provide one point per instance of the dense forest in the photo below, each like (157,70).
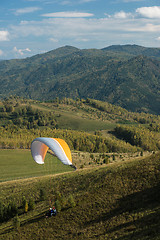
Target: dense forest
(127,76)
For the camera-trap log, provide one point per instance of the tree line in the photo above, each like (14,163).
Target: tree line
(26,117)
(13,137)
(21,123)
(139,136)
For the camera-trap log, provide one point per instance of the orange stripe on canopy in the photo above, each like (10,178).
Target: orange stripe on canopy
(44,149)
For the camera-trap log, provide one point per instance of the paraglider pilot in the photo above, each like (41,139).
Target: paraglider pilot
(52,212)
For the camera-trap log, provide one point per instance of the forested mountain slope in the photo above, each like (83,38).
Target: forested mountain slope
(134,50)
(128,76)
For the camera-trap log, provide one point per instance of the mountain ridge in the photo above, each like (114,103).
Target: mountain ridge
(124,75)
(134,50)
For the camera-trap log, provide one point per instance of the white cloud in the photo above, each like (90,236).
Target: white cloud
(122,14)
(53,40)
(107,15)
(149,12)
(27,50)
(4,36)
(82,40)
(89,32)
(67,28)
(26,10)
(146,28)
(70,29)
(68,14)
(66,3)
(21,51)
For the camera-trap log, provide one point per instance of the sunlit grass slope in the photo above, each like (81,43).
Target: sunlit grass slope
(69,117)
(119,201)
(15,164)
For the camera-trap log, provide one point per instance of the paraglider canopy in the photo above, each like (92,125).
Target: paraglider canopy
(40,146)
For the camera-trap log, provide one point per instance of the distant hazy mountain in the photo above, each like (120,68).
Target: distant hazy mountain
(127,75)
(134,50)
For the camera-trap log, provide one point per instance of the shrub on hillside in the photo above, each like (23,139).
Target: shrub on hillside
(7,211)
(1,211)
(31,204)
(63,201)
(23,202)
(43,194)
(71,201)
(58,205)
(12,210)
(26,207)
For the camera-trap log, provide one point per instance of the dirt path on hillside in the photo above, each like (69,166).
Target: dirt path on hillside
(35,178)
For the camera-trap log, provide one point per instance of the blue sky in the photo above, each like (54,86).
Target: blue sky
(29,27)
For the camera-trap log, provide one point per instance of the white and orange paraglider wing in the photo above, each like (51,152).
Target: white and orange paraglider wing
(39,148)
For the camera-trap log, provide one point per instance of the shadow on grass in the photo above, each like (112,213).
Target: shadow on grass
(33,219)
(146,227)
(135,205)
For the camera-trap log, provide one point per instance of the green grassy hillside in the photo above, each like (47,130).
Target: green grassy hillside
(119,201)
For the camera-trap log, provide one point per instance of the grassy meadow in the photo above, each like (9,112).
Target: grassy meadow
(69,117)
(81,124)
(16,164)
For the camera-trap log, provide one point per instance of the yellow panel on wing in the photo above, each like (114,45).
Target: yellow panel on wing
(65,147)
